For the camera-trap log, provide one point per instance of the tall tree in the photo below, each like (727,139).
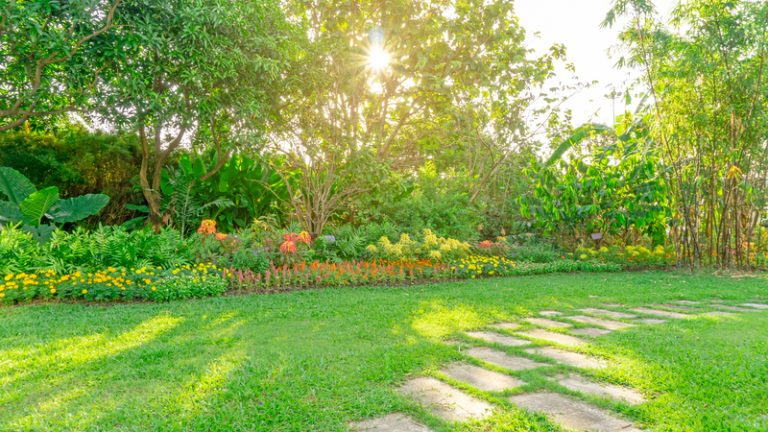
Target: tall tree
(380,82)
(706,72)
(195,72)
(51,55)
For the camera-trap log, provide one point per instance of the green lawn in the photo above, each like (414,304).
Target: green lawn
(316,360)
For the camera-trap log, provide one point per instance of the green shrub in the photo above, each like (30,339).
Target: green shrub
(534,252)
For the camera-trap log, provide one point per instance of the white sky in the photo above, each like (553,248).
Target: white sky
(576,24)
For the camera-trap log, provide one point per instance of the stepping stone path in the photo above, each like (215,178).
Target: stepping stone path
(498,338)
(590,331)
(662,313)
(480,378)
(389,423)
(580,384)
(608,324)
(445,401)
(549,313)
(572,413)
(677,308)
(608,313)
(734,308)
(558,338)
(544,322)
(760,306)
(506,326)
(718,314)
(687,302)
(570,358)
(503,360)
(650,321)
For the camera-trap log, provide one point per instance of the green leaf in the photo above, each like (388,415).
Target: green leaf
(10,212)
(14,185)
(37,204)
(578,135)
(78,208)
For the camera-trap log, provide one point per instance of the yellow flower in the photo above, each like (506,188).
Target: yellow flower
(154,288)
(53,290)
(85,291)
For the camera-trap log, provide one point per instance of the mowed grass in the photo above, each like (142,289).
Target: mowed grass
(317,360)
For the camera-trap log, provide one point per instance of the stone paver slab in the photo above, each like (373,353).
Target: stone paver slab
(608,324)
(570,358)
(734,308)
(581,384)
(502,359)
(553,337)
(663,313)
(591,331)
(506,326)
(572,413)
(687,302)
(389,423)
(677,308)
(606,312)
(718,314)
(481,378)
(498,338)
(550,313)
(545,322)
(756,305)
(445,401)
(650,321)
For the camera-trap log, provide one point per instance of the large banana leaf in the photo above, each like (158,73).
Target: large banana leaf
(578,135)
(38,203)
(77,208)
(10,212)
(14,185)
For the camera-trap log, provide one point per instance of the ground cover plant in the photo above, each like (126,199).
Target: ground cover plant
(317,360)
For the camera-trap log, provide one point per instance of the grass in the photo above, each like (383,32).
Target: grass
(316,360)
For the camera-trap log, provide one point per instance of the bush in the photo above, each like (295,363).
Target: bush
(534,252)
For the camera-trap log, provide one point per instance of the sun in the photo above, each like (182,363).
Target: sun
(378,59)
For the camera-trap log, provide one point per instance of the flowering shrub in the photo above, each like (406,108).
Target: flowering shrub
(145,283)
(479,265)
(432,247)
(636,256)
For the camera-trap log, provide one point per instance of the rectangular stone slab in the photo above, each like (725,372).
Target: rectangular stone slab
(389,423)
(650,321)
(590,331)
(572,413)
(610,325)
(662,313)
(502,359)
(570,358)
(756,305)
(506,326)
(553,337)
(445,401)
(550,313)
(481,378)
(581,384)
(498,338)
(677,308)
(734,308)
(544,322)
(606,312)
(686,302)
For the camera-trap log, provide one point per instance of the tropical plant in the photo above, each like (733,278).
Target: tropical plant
(31,207)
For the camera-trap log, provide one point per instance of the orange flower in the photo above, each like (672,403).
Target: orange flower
(207,226)
(288,247)
(221,236)
(304,237)
(486,244)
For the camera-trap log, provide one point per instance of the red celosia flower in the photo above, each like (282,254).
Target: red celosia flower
(288,247)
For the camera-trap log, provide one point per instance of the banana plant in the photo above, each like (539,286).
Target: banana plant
(39,211)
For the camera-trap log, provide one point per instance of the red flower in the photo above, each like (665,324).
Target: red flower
(486,244)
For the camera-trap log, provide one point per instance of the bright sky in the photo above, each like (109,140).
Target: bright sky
(576,24)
